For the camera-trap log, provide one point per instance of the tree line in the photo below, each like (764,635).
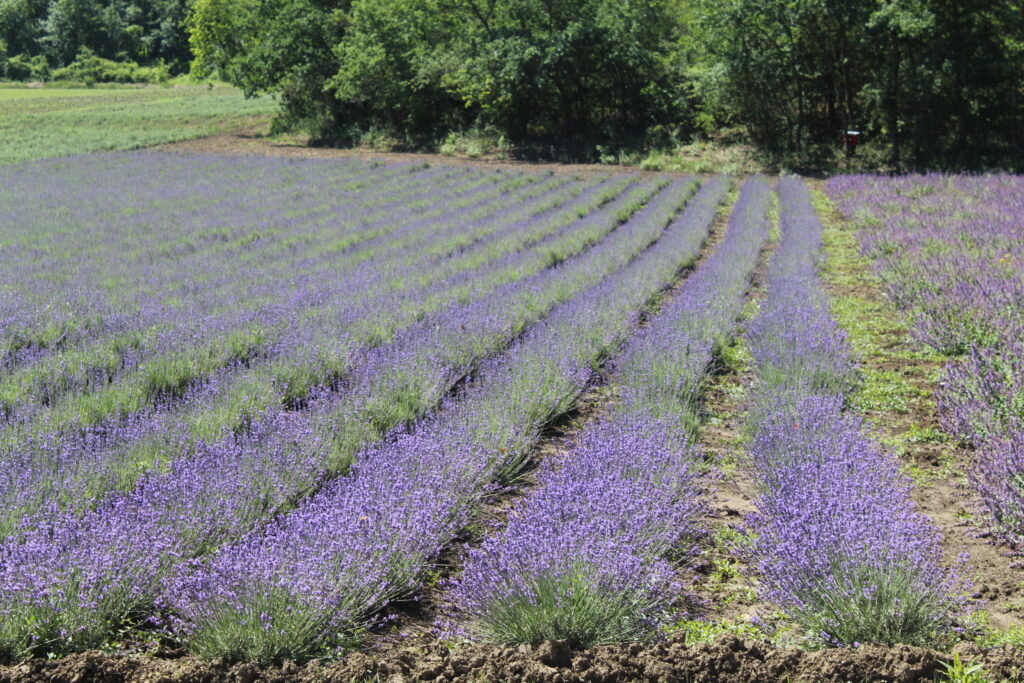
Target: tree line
(40,36)
(934,83)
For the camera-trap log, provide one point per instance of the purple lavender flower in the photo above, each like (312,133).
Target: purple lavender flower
(585,557)
(367,539)
(837,541)
(57,587)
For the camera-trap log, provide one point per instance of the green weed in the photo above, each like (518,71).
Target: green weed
(959,671)
(696,632)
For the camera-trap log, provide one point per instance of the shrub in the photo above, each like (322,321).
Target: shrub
(25,68)
(90,68)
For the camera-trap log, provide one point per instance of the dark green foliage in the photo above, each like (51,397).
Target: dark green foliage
(148,32)
(21,25)
(413,70)
(933,83)
(937,83)
(25,68)
(930,83)
(90,68)
(591,68)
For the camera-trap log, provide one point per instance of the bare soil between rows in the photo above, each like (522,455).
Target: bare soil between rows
(252,143)
(726,659)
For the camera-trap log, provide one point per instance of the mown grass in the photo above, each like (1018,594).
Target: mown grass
(40,123)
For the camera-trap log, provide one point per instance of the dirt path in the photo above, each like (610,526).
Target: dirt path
(252,142)
(726,660)
(731,598)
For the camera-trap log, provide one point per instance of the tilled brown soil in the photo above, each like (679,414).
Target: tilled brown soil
(252,142)
(726,659)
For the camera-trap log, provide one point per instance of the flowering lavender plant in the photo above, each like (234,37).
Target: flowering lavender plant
(585,557)
(836,540)
(368,538)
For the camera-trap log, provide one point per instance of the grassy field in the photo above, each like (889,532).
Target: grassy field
(38,123)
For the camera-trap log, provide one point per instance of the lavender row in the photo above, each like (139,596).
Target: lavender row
(316,575)
(118,338)
(585,557)
(124,377)
(386,384)
(68,576)
(253,324)
(309,284)
(949,252)
(836,541)
(71,243)
(664,370)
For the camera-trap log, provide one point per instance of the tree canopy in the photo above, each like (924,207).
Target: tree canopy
(937,83)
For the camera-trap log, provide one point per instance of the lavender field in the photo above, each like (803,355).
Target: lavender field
(281,410)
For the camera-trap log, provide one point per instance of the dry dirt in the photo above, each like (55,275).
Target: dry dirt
(725,405)
(253,143)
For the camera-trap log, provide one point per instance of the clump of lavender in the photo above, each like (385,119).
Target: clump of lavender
(948,250)
(837,541)
(328,567)
(590,556)
(982,397)
(997,473)
(585,557)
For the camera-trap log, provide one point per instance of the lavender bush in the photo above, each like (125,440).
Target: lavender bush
(585,557)
(446,463)
(837,541)
(294,453)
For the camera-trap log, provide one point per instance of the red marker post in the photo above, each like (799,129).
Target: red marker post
(851,138)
